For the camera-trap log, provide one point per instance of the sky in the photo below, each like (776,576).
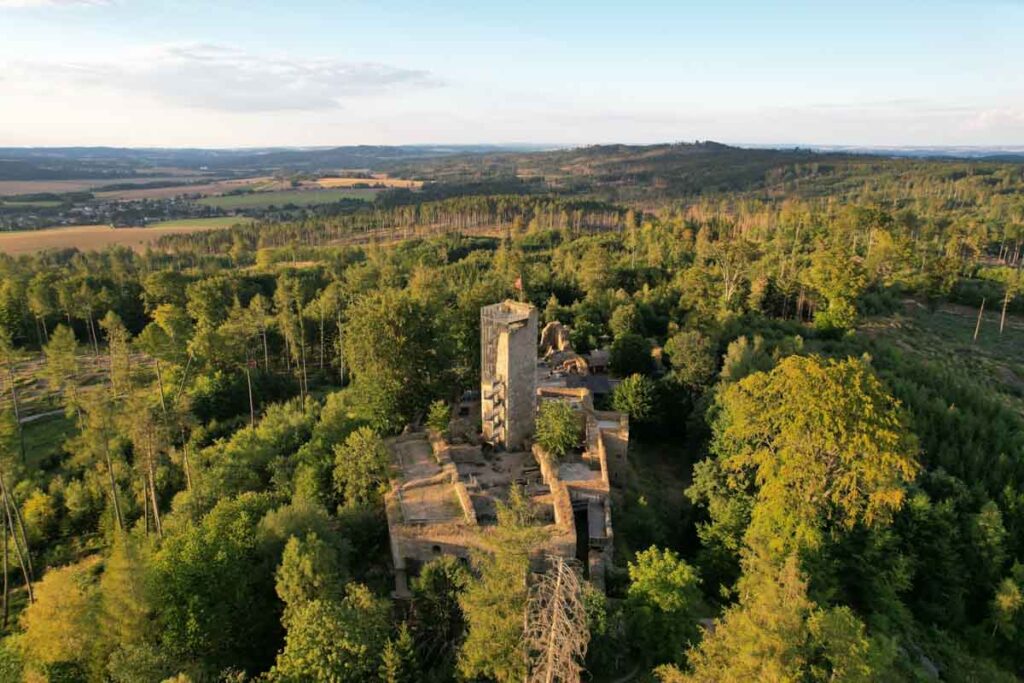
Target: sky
(227,73)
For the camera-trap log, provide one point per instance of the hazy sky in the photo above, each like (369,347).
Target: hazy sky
(330,72)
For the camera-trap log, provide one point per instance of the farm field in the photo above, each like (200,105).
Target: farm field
(381,180)
(86,237)
(16,187)
(216,187)
(258,200)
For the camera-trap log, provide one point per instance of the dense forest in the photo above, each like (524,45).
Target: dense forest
(822,358)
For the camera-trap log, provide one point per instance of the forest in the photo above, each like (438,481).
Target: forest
(821,356)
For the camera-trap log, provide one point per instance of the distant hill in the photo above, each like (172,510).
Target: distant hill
(612,172)
(53,163)
(632,171)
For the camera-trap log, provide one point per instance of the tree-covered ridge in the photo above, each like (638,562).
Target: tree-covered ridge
(193,463)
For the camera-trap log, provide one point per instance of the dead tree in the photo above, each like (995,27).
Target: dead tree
(556,633)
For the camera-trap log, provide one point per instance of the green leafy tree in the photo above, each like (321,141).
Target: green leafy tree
(839,277)
(126,615)
(60,631)
(631,355)
(822,444)
(164,287)
(119,353)
(361,467)
(662,604)
(636,396)
(559,428)
(335,641)
(397,356)
(595,270)
(438,622)
(309,570)
(1008,605)
(197,617)
(42,301)
(692,357)
(494,601)
(625,320)
(398,661)
(775,633)
(62,366)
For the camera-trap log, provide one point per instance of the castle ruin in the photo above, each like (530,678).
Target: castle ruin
(508,373)
(445,489)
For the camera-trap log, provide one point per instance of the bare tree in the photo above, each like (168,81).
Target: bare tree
(556,633)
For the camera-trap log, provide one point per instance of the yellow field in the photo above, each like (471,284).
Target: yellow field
(96,237)
(372,182)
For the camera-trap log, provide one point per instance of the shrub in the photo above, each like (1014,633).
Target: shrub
(438,417)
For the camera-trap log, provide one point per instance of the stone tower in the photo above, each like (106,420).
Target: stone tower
(508,373)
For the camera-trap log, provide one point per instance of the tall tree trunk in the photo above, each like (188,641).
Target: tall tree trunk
(184,376)
(160,386)
(184,460)
(92,334)
(151,474)
(266,354)
(118,517)
(21,527)
(1002,317)
(26,570)
(145,503)
(302,357)
(977,326)
(252,409)
(6,582)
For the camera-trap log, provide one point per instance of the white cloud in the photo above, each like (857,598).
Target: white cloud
(53,3)
(999,118)
(221,78)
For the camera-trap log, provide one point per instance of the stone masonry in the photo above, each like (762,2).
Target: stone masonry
(508,368)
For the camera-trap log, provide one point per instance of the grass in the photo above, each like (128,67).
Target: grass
(946,335)
(262,200)
(44,438)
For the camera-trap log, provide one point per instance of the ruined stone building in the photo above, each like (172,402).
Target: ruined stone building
(444,493)
(508,367)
